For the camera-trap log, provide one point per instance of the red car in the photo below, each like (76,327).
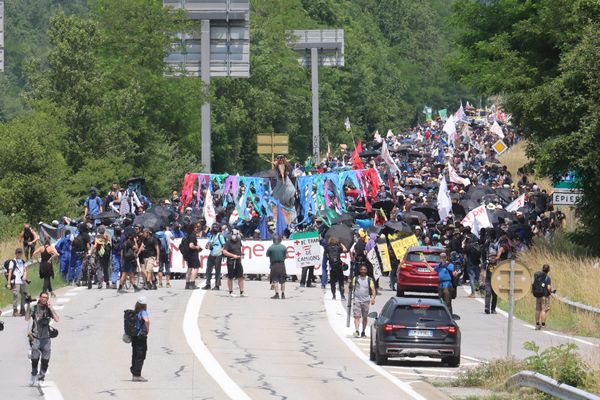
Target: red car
(413,274)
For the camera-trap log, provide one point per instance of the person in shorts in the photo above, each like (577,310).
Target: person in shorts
(233,252)
(151,252)
(362,288)
(277,254)
(542,304)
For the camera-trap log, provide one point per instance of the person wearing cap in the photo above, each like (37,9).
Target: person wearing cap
(139,342)
(215,245)
(17,281)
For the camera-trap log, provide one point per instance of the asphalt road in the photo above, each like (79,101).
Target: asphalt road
(207,345)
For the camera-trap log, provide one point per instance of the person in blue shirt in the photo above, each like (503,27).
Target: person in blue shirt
(93,204)
(139,342)
(63,246)
(446,271)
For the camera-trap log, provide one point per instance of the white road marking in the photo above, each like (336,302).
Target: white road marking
(77,289)
(51,391)
(472,359)
(71,294)
(336,316)
(446,371)
(57,307)
(416,375)
(208,361)
(63,300)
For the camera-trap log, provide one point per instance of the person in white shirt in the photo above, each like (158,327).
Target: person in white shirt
(17,281)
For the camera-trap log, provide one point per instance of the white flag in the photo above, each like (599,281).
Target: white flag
(516,204)
(377,136)
(444,203)
(460,113)
(497,130)
(385,154)
(210,216)
(455,178)
(476,219)
(347,124)
(450,129)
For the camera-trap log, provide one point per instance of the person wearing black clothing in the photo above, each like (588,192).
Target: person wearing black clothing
(29,237)
(193,259)
(47,253)
(150,251)
(235,270)
(139,342)
(129,261)
(333,254)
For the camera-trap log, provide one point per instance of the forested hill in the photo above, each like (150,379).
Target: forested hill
(84,80)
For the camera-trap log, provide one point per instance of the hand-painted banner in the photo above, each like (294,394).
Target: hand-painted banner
(384,254)
(307,248)
(401,246)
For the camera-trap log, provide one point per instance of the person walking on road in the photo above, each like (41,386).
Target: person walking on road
(47,254)
(193,259)
(215,245)
(101,248)
(542,290)
(362,288)
(233,252)
(150,250)
(40,336)
(29,237)
(446,271)
(139,342)
(333,254)
(17,281)
(277,254)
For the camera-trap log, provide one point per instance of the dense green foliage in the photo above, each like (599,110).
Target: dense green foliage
(543,55)
(85,80)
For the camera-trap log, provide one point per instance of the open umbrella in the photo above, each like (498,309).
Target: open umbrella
(397,226)
(505,194)
(458,210)
(150,221)
(415,217)
(469,204)
(429,210)
(345,218)
(385,205)
(369,153)
(477,192)
(341,232)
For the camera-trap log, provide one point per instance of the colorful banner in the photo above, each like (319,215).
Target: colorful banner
(400,246)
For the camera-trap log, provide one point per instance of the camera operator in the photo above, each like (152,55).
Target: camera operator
(17,281)
(40,335)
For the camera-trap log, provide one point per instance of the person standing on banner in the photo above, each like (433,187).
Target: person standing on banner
(215,245)
(277,254)
(233,252)
(333,254)
(363,291)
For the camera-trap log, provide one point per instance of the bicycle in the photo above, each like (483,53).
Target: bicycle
(88,270)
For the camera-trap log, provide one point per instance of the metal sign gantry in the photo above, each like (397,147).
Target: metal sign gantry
(219,48)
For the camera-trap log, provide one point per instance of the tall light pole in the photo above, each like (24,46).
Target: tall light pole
(1,36)
(221,49)
(318,47)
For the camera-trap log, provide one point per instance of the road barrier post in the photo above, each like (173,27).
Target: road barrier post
(511,308)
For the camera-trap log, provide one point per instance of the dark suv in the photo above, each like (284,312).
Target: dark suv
(413,275)
(410,327)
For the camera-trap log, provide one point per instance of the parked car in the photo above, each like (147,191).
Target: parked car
(413,275)
(411,327)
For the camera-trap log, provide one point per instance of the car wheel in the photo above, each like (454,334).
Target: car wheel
(380,359)
(399,292)
(371,352)
(453,362)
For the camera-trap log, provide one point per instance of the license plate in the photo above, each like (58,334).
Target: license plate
(420,333)
(422,269)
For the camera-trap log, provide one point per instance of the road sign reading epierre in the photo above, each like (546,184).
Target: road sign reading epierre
(566,197)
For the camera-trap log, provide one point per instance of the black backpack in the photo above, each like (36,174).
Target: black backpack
(333,254)
(538,287)
(6,267)
(130,322)
(184,248)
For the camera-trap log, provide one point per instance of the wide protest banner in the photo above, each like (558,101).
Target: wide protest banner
(401,246)
(477,219)
(307,248)
(254,261)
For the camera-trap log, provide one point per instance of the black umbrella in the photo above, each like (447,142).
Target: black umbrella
(469,204)
(396,226)
(505,194)
(458,210)
(341,232)
(345,218)
(500,213)
(492,198)
(369,153)
(415,217)
(477,192)
(150,221)
(385,205)
(430,211)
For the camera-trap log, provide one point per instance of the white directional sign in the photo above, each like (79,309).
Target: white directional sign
(566,197)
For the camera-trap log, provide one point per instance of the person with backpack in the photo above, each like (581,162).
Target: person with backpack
(92,204)
(165,238)
(129,251)
(40,336)
(362,288)
(17,281)
(150,251)
(473,259)
(29,238)
(139,338)
(80,246)
(447,275)
(215,246)
(333,254)
(541,288)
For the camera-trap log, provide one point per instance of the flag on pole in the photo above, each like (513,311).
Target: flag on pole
(450,129)
(497,130)
(476,219)
(460,113)
(443,113)
(356,161)
(517,203)
(385,154)
(347,124)
(377,136)
(444,203)
(427,111)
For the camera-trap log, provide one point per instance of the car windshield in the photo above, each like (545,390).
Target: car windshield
(418,256)
(409,315)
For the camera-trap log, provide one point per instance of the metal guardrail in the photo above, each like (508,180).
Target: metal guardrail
(576,305)
(548,385)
